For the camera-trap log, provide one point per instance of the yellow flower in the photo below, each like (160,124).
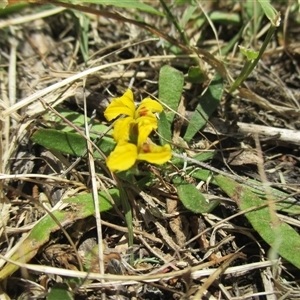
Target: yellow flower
(123,157)
(154,154)
(118,106)
(127,129)
(126,154)
(124,105)
(138,123)
(131,133)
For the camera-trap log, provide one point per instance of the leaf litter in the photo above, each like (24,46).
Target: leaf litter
(196,234)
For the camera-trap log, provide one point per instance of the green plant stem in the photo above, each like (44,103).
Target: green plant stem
(249,67)
(128,215)
(262,49)
(242,76)
(174,21)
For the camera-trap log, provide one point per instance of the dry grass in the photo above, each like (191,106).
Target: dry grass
(178,254)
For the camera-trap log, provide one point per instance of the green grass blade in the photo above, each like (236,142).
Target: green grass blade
(82,27)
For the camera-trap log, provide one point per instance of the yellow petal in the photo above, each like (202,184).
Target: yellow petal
(150,117)
(145,127)
(118,106)
(155,154)
(122,158)
(148,106)
(122,129)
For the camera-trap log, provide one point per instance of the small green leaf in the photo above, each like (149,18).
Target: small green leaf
(288,207)
(69,143)
(179,162)
(207,105)
(77,119)
(181,2)
(250,54)
(281,236)
(59,291)
(192,198)
(226,18)
(204,175)
(164,129)
(195,75)
(205,155)
(272,14)
(14,8)
(170,88)
(134,4)
(79,207)
(82,27)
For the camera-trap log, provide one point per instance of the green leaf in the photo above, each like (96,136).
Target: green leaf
(284,206)
(272,14)
(170,87)
(205,155)
(164,129)
(192,198)
(195,75)
(78,207)
(204,175)
(250,54)
(59,291)
(181,2)
(288,207)
(280,236)
(226,18)
(134,4)
(179,162)
(7,10)
(77,119)
(207,105)
(69,143)
(82,26)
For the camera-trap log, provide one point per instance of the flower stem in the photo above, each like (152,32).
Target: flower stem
(128,215)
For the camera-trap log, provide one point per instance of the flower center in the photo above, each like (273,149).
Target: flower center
(143,112)
(146,148)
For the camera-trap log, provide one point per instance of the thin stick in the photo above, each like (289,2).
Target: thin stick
(94,188)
